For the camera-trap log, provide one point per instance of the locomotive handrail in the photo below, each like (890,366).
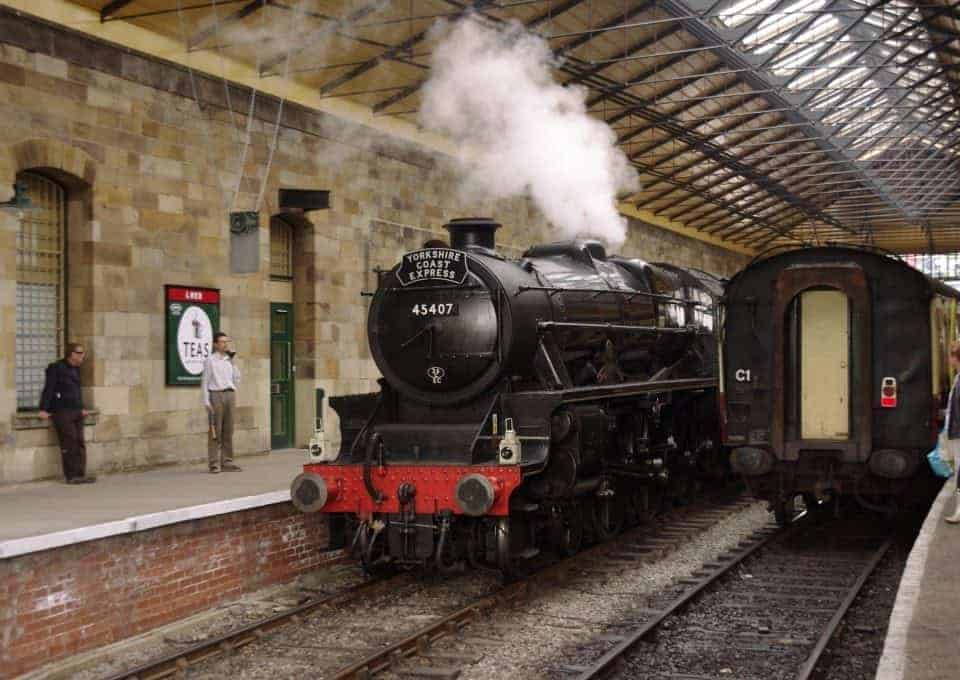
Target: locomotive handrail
(686,330)
(420,289)
(594,392)
(601,291)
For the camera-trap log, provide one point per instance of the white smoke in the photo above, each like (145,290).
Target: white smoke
(492,91)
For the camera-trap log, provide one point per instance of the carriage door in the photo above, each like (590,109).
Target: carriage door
(824,365)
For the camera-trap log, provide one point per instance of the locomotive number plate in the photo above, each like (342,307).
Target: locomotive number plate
(436,309)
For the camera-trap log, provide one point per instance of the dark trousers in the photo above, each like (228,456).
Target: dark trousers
(73,450)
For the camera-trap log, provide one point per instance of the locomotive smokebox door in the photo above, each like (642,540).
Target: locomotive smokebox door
(434,323)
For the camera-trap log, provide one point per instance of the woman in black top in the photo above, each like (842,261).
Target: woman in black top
(61,402)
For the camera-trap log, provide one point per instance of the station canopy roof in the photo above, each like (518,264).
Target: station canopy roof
(755,122)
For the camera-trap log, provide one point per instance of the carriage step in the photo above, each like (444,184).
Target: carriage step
(526,554)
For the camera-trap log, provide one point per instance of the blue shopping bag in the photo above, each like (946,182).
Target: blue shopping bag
(941,467)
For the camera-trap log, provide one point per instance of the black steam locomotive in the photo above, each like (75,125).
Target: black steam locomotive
(835,371)
(525,404)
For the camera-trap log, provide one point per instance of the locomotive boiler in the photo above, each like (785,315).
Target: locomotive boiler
(525,404)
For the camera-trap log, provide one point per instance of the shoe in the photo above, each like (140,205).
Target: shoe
(87,479)
(73,480)
(230,467)
(955,517)
(214,471)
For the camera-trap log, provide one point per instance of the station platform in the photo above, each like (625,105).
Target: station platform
(82,566)
(50,514)
(924,628)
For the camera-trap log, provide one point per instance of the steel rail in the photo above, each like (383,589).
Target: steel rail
(806,670)
(612,659)
(419,641)
(177,662)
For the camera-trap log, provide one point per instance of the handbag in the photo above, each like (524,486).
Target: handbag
(941,462)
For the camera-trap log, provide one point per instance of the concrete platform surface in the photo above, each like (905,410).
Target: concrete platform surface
(924,629)
(43,515)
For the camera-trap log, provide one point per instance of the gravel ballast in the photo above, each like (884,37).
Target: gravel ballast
(595,600)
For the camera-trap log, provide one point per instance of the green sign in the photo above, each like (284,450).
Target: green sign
(193,316)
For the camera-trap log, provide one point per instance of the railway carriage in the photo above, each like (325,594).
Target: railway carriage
(834,374)
(525,404)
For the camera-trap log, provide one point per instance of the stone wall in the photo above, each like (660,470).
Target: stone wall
(151,175)
(658,245)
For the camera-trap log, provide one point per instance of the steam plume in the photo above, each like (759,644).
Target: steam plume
(492,90)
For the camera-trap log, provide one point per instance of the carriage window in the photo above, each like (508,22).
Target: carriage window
(41,316)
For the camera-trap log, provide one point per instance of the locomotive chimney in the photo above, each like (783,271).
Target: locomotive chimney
(472,231)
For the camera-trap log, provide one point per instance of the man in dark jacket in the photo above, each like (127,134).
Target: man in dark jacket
(62,403)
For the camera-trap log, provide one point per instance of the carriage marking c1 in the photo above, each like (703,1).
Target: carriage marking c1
(743,375)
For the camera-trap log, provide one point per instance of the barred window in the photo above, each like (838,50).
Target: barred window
(40,286)
(281,249)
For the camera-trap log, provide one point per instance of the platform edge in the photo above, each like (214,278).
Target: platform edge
(892,664)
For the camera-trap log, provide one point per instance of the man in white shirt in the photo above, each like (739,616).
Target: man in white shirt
(219,385)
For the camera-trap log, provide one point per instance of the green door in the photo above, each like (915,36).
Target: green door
(281,375)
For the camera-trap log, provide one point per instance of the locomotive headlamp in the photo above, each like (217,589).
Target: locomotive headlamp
(309,492)
(510,447)
(475,495)
(21,198)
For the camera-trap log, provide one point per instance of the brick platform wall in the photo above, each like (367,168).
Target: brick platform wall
(60,602)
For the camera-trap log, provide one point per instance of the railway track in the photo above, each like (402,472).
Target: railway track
(764,611)
(420,651)
(178,661)
(443,648)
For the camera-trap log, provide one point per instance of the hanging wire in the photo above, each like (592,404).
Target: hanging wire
(195,90)
(253,103)
(276,129)
(223,68)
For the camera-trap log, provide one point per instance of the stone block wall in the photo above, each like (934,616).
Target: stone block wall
(151,176)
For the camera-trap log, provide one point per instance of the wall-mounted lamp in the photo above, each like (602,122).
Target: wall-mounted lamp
(20,200)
